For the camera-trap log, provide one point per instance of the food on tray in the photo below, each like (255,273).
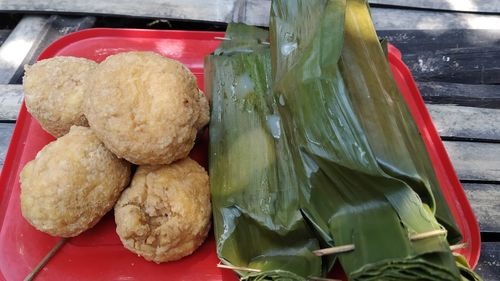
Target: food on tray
(71,184)
(54,91)
(165,213)
(337,161)
(145,108)
(257,219)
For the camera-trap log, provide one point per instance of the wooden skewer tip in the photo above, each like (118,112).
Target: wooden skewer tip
(224,266)
(459,246)
(45,260)
(223,38)
(334,250)
(429,234)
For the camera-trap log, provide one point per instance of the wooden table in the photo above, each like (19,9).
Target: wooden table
(454,56)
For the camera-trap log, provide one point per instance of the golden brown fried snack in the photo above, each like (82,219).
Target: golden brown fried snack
(54,90)
(165,214)
(145,108)
(71,184)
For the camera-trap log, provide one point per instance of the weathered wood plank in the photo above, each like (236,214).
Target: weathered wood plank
(252,11)
(411,41)
(6,130)
(55,27)
(470,65)
(466,122)
(4,33)
(485,202)
(30,37)
(475,160)
(11,98)
(397,19)
(489,262)
(482,6)
(18,45)
(487,96)
(255,12)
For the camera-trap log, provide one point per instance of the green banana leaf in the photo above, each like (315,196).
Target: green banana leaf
(257,219)
(377,198)
(297,161)
(405,156)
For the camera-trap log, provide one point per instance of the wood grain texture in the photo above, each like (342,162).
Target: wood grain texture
(254,12)
(489,262)
(397,19)
(18,45)
(468,65)
(11,98)
(466,122)
(4,33)
(486,96)
(411,41)
(483,6)
(55,27)
(6,130)
(475,161)
(485,202)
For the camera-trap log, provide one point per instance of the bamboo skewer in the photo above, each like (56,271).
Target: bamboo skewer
(348,248)
(45,260)
(429,234)
(334,250)
(222,38)
(219,265)
(351,247)
(458,246)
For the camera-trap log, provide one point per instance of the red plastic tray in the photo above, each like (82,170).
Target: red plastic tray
(97,254)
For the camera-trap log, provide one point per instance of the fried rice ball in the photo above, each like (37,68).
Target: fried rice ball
(71,184)
(145,108)
(165,213)
(54,90)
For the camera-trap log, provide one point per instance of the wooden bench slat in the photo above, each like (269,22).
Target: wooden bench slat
(411,41)
(468,65)
(11,98)
(484,199)
(6,130)
(475,161)
(486,96)
(255,12)
(489,262)
(18,45)
(483,6)
(466,122)
(4,33)
(55,27)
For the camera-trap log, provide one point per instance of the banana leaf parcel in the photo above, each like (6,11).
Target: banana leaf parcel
(256,210)
(322,153)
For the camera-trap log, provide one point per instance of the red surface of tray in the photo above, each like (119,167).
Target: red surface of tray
(98,254)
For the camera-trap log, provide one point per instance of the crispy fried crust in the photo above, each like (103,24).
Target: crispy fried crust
(145,108)
(54,90)
(165,214)
(71,184)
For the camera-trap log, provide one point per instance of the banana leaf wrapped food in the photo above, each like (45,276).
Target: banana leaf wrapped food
(324,153)
(257,218)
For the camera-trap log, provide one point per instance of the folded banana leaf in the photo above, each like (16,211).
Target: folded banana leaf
(255,199)
(303,160)
(363,171)
(405,156)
